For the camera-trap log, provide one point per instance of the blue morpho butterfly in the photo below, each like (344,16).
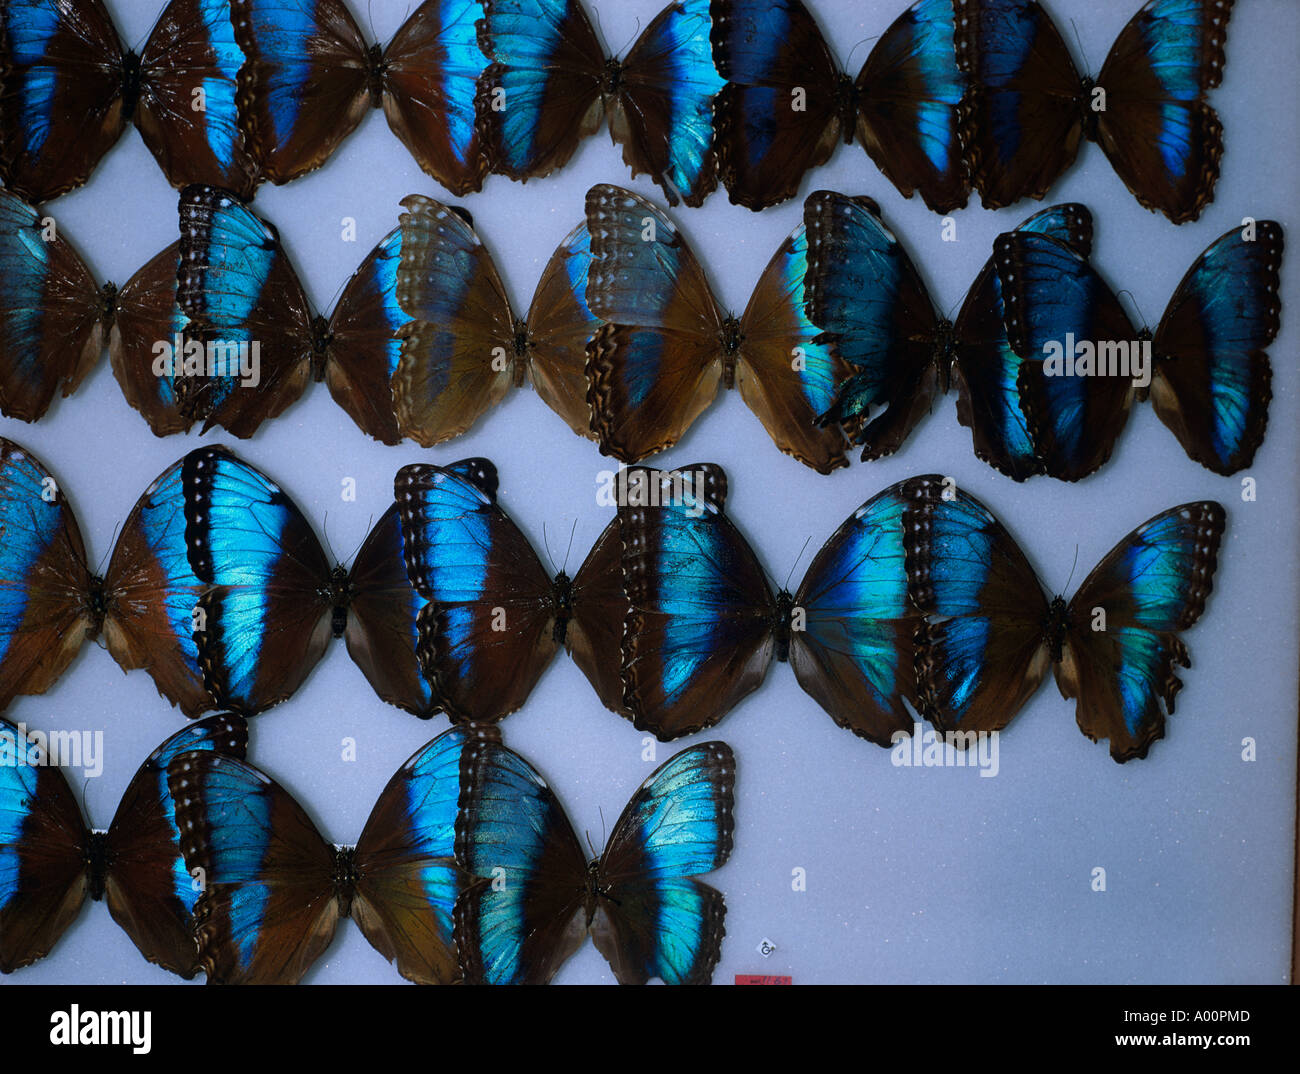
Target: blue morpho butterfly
(463,346)
(51,601)
(657,362)
(68,89)
(275,890)
(494,618)
(703,623)
(1026,108)
(50,861)
(311,77)
(787,102)
(550,85)
(989,634)
(532,897)
(1205,367)
(271,602)
(239,306)
(866,294)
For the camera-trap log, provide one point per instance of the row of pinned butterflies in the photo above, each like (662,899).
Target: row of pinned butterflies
(468,869)
(220,590)
(955,94)
(840,342)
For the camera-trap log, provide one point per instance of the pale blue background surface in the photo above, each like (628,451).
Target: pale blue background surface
(912,875)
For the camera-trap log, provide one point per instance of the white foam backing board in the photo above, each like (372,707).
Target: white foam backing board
(912,875)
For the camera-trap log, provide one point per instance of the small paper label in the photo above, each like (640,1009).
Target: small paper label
(763,979)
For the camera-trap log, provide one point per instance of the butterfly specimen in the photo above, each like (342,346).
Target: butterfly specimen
(703,623)
(657,362)
(869,298)
(989,633)
(494,617)
(249,321)
(310,78)
(550,84)
(1026,108)
(1205,367)
(270,600)
(68,89)
(275,890)
(50,861)
(787,103)
(463,347)
(641,901)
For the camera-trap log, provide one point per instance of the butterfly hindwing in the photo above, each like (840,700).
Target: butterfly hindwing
(1123,642)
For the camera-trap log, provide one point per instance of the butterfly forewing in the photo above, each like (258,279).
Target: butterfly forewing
(853,653)
(523,912)
(1123,643)
(654,919)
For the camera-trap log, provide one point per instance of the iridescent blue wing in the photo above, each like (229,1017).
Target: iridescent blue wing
(488,629)
(657,362)
(407,877)
(45,587)
(542,93)
(1055,304)
(431,70)
(246,308)
(986,370)
(779,115)
(522,913)
(44,847)
(269,904)
(1021,117)
(152,593)
(363,348)
(854,651)
(786,373)
(382,632)
(981,648)
(867,297)
(149,891)
(653,917)
(698,636)
(187,111)
(304,84)
(51,332)
(1158,128)
(270,607)
(1123,643)
(61,94)
(1212,379)
(907,93)
(664,115)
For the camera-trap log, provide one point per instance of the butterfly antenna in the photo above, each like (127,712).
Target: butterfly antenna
(1082,51)
(600,31)
(572,530)
(103,557)
(799,557)
(1072,566)
(848,60)
(1132,298)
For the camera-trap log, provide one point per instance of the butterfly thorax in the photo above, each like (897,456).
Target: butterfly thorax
(322,336)
(96,860)
(376,74)
(1054,627)
(345,877)
(130,85)
(562,598)
(339,594)
(781,620)
(945,351)
(108,305)
(594,891)
(611,79)
(730,338)
(96,604)
(1087,114)
(846,106)
(523,345)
